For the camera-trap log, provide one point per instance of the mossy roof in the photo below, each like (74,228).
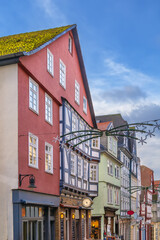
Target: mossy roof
(26,42)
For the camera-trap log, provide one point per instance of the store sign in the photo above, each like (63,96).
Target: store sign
(73,228)
(130,212)
(62,225)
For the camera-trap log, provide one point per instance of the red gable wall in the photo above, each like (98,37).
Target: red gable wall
(36,67)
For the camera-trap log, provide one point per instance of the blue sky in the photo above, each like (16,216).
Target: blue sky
(120,41)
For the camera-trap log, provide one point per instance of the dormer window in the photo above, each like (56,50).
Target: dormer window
(70,44)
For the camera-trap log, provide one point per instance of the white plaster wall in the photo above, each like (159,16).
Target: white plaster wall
(8,146)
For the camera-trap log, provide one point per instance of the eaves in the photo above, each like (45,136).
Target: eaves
(112,156)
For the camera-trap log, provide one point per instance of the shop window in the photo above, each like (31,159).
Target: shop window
(32,223)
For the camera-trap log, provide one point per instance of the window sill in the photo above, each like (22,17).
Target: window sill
(51,173)
(50,123)
(93,181)
(36,112)
(97,148)
(73,174)
(85,111)
(50,73)
(110,174)
(64,87)
(32,166)
(78,103)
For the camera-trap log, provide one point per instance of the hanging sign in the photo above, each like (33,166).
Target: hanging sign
(130,212)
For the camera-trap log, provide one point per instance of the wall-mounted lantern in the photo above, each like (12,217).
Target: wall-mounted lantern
(31,180)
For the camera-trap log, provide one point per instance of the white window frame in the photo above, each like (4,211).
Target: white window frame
(117,171)
(51,155)
(96,143)
(74,123)
(62,74)
(84,104)
(94,176)
(77,92)
(51,109)
(73,171)
(110,191)
(110,167)
(70,42)
(85,169)
(31,81)
(33,146)
(50,62)
(79,167)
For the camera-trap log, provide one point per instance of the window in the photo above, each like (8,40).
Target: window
(110,167)
(85,170)
(50,62)
(70,44)
(33,95)
(33,151)
(73,164)
(32,222)
(74,123)
(112,145)
(93,173)
(79,167)
(95,143)
(117,171)
(48,158)
(84,105)
(116,196)
(48,109)
(62,74)
(77,92)
(110,194)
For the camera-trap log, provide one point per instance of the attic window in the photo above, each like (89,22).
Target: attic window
(84,105)
(70,44)
(50,62)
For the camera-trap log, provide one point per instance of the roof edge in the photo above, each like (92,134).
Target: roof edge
(84,76)
(50,41)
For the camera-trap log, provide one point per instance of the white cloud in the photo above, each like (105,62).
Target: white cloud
(119,88)
(52,11)
(149,155)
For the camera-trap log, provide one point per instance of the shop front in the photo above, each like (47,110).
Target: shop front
(111,225)
(75,219)
(96,228)
(34,215)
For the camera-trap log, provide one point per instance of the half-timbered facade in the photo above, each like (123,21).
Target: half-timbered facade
(79,158)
